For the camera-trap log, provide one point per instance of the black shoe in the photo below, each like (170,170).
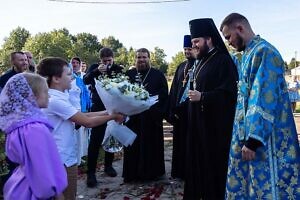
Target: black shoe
(110,171)
(91,180)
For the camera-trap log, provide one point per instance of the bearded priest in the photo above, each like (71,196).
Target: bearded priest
(212,99)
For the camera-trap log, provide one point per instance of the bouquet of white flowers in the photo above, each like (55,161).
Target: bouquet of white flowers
(120,96)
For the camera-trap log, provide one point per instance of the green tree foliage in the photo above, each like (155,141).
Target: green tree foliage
(4,60)
(56,43)
(86,46)
(60,43)
(64,31)
(233,51)
(286,66)
(293,63)
(157,59)
(15,42)
(176,60)
(122,57)
(118,49)
(16,39)
(112,43)
(131,57)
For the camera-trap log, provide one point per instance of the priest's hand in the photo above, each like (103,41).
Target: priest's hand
(194,95)
(247,154)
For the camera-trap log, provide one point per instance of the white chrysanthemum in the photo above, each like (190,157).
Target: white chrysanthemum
(120,96)
(114,84)
(108,86)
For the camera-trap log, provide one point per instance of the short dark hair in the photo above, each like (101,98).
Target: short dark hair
(106,52)
(76,58)
(13,54)
(233,18)
(143,50)
(51,66)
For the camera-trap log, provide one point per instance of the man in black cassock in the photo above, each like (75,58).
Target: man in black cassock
(177,110)
(144,159)
(212,99)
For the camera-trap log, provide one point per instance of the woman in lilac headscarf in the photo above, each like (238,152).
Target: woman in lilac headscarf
(40,174)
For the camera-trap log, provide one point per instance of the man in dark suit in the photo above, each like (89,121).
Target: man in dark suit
(105,67)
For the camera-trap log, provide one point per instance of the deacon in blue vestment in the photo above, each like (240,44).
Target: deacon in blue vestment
(264,161)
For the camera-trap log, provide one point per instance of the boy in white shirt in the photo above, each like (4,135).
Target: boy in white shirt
(63,116)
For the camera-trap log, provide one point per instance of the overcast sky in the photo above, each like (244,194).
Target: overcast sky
(151,25)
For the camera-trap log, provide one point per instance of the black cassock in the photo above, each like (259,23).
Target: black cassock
(210,127)
(177,116)
(144,159)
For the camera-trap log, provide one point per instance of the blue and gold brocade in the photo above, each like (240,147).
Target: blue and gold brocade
(263,112)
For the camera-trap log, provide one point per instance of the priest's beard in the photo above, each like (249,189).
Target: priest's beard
(201,51)
(189,55)
(190,59)
(240,45)
(142,65)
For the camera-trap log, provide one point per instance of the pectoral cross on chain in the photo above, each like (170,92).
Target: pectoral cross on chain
(194,84)
(138,78)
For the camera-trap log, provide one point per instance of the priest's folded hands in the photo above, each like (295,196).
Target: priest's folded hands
(194,95)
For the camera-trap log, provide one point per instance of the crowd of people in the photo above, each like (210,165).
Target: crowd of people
(234,135)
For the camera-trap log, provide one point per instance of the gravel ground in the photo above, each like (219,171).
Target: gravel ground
(115,189)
